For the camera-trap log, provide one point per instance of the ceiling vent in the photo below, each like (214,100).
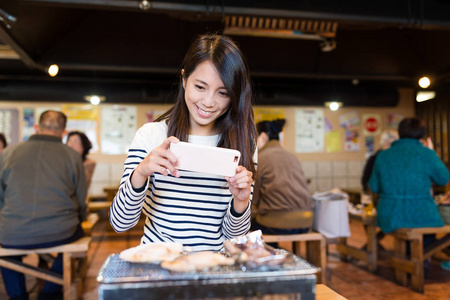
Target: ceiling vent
(280,27)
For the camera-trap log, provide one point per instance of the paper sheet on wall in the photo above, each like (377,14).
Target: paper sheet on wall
(9,125)
(84,118)
(268,114)
(27,123)
(352,140)
(333,141)
(349,120)
(118,128)
(309,130)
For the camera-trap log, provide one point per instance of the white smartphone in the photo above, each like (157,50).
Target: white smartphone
(206,159)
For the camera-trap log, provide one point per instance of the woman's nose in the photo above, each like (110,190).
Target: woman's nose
(208,100)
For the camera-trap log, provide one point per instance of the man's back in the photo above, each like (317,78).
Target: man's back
(42,193)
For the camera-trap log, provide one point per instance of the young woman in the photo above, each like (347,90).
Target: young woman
(213,108)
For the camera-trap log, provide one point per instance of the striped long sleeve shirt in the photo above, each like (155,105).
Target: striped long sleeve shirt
(194,209)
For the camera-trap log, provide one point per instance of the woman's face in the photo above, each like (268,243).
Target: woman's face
(206,98)
(74,142)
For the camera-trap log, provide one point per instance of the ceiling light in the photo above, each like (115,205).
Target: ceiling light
(425,95)
(53,70)
(424,82)
(328,45)
(95,99)
(144,5)
(333,105)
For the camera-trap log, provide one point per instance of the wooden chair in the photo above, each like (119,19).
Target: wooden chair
(74,261)
(413,264)
(316,248)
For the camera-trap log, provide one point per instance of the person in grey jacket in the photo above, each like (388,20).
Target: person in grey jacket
(42,198)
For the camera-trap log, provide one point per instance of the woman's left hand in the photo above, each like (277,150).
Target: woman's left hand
(240,186)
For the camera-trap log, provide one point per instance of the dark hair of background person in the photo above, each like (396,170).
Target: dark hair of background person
(236,126)
(85,142)
(271,128)
(413,128)
(52,120)
(3,140)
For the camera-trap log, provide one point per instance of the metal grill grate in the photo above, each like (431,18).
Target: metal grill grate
(116,270)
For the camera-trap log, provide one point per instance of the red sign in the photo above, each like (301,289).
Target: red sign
(371,124)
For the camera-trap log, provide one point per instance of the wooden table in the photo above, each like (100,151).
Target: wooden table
(325,293)
(368,255)
(110,194)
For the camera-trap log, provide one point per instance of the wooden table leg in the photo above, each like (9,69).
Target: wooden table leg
(400,251)
(417,277)
(342,241)
(372,245)
(316,253)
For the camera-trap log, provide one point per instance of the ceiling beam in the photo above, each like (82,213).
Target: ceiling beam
(161,6)
(24,56)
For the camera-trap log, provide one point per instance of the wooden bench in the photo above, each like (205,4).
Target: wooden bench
(73,254)
(369,254)
(74,261)
(316,246)
(414,263)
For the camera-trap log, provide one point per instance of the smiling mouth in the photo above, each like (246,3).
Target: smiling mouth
(204,112)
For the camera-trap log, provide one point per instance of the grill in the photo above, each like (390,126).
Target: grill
(119,279)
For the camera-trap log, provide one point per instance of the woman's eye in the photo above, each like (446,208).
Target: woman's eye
(199,87)
(224,94)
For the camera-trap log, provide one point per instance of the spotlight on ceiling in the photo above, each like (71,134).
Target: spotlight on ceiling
(333,105)
(95,99)
(328,45)
(425,95)
(53,70)
(144,5)
(424,82)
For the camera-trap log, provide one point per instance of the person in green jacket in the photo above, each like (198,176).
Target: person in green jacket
(403,175)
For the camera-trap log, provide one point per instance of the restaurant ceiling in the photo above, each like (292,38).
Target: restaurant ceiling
(299,52)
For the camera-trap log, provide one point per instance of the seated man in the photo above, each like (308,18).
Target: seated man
(42,199)
(282,203)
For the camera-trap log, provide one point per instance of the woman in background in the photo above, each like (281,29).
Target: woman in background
(3,142)
(80,142)
(386,139)
(402,176)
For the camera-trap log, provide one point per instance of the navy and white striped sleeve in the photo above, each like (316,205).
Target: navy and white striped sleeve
(238,226)
(126,208)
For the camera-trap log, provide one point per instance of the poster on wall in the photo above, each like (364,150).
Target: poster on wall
(268,114)
(352,140)
(371,124)
(309,130)
(370,145)
(349,120)
(393,120)
(118,128)
(27,123)
(152,115)
(333,141)
(84,118)
(9,125)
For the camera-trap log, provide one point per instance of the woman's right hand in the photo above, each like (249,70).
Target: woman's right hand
(160,160)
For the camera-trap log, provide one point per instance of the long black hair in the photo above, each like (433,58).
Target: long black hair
(236,126)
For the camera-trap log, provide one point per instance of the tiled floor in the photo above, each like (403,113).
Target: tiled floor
(351,280)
